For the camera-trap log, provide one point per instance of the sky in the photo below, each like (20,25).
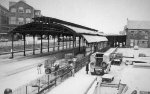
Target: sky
(108,16)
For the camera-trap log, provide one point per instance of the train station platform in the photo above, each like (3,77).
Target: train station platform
(79,84)
(15,66)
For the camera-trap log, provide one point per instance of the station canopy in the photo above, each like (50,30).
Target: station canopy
(91,39)
(52,26)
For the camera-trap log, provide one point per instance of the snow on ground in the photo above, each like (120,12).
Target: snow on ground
(19,79)
(136,78)
(74,85)
(108,90)
(11,68)
(92,89)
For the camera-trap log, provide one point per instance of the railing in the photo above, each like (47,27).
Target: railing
(47,82)
(5,47)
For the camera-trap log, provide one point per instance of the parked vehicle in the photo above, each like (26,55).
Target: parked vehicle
(100,63)
(54,64)
(136,47)
(107,78)
(117,58)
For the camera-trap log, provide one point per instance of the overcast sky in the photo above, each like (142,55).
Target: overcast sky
(109,16)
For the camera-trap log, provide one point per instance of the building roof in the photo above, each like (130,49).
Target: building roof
(58,21)
(132,24)
(48,25)
(93,39)
(4,8)
(20,2)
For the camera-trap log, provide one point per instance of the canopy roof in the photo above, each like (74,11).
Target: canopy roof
(53,26)
(92,39)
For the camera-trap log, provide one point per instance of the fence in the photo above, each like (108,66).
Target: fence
(47,82)
(5,47)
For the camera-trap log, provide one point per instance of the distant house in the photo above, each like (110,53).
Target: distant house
(138,33)
(4,19)
(21,13)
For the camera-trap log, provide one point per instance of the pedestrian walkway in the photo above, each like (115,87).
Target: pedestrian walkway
(74,85)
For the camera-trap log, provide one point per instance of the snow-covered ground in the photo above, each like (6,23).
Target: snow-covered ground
(136,78)
(18,73)
(74,85)
(19,79)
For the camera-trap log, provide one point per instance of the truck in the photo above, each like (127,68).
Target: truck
(100,63)
(54,64)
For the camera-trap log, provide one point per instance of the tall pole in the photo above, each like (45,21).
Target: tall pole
(33,44)
(75,42)
(74,45)
(54,44)
(24,37)
(41,43)
(63,41)
(69,42)
(12,47)
(66,42)
(58,41)
(48,42)
(79,43)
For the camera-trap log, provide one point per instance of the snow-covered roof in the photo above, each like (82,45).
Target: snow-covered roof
(132,24)
(91,38)
(81,31)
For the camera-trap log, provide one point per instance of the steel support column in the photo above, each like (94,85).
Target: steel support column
(54,44)
(33,44)
(63,42)
(41,44)
(74,45)
(48,42)
(58,41)
(12,47)
(24,37)
(79,44)
(69,42)
(75,42)
(66,42)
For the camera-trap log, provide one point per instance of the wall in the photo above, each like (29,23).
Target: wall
(139,37)
(22,15)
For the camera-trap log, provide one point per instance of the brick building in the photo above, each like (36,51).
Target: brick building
(4,21)
(138,33)
(21,13)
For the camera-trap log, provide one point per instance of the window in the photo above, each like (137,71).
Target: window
(20,21)
(12,20)
(13,10)
(28,11)
(37,13)
(146,36)
(132,31)
(28,20)
(21,10)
